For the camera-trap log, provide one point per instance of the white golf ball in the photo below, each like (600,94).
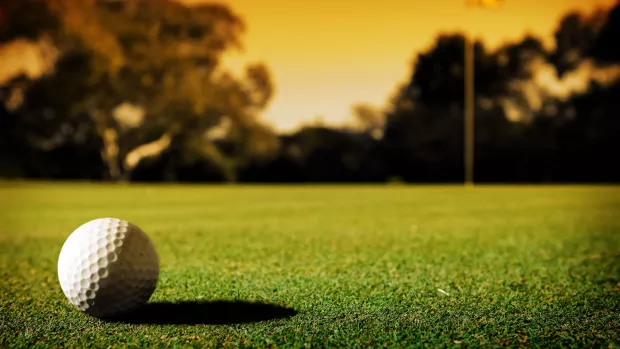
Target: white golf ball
(108,267)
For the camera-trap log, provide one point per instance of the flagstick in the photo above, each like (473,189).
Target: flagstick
(470,99)
(469,111)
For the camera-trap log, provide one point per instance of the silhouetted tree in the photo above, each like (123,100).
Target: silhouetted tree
(588,139)
(574,39)
(424,132)
(369,119)
(159,60)
(605,48)
(582,132)
(548,137)
(321,154)
(133,91)
(25,19)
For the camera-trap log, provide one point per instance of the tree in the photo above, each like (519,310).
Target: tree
(160,59)
(605,48)
(574,40)
(320,154)
(579,135)
(369,119)
(423,136)
(25,19)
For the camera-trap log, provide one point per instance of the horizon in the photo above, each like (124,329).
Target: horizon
(320,73)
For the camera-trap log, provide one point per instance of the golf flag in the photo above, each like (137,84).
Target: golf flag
(485,3)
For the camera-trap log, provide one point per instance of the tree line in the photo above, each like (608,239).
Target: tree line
(135,91)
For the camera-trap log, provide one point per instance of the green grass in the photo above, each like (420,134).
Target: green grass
(361,266)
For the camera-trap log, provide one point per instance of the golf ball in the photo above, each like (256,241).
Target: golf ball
(108,267)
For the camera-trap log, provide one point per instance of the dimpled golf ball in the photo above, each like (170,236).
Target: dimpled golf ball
(108,267)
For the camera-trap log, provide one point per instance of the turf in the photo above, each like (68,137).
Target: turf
(354,266)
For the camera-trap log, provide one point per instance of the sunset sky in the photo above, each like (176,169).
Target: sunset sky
(326,56)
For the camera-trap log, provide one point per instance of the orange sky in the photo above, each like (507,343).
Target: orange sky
(327,55)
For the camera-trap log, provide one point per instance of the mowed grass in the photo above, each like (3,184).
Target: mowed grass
(360,265)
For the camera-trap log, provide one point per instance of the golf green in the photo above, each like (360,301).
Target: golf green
(345,266)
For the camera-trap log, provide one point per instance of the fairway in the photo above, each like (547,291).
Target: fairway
(288,266)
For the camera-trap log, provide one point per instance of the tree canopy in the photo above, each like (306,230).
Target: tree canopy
(159,56)
(135,90)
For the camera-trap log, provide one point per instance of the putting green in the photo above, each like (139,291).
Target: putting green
(327,265)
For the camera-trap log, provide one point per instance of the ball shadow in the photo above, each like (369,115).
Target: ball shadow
(207,313)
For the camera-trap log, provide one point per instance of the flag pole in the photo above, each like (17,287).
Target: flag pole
(469,107)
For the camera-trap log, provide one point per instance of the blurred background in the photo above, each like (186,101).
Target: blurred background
(309,91)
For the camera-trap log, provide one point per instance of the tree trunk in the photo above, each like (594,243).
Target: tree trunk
(109,138)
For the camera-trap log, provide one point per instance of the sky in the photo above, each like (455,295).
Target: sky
(327,55)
